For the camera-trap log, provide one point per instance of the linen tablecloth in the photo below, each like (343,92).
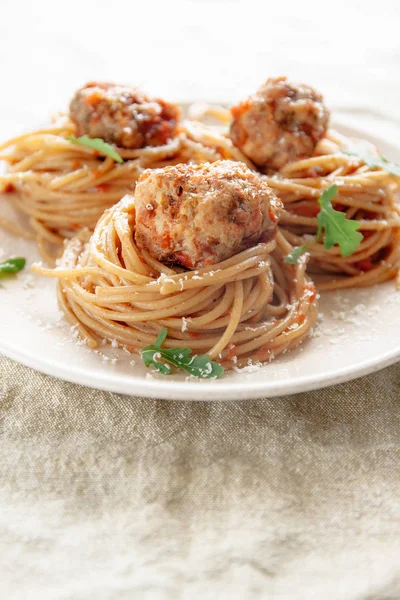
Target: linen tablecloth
(113,497)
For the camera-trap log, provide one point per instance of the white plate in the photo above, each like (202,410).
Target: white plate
(359,333)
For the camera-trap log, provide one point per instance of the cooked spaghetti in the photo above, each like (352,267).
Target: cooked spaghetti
(243,310)
(63,187)
(367,195)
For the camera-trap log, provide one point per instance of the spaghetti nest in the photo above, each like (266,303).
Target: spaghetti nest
(241,311)
(367,195)
(63,187)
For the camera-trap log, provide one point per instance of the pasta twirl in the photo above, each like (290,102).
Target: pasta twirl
(366,195)
(251,307)
(63,187)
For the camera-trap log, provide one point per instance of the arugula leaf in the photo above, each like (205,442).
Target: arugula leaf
(97,144)
(150,354)
(11,266)
(293,257)
(338,229)
(198,365)
(372,160)
(160,339)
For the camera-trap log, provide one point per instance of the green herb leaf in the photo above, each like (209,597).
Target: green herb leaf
(150,354)
(338,229)
(198,365)
(293,257)
(181,358)
(161,338)
(11,266)
(372,160)
(97,144)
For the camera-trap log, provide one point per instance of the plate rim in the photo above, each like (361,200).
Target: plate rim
(195,391)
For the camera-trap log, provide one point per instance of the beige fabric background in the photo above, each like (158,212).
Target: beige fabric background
(109,497)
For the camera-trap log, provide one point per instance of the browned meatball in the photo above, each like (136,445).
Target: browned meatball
(123,115)
(280,123)
(200,215)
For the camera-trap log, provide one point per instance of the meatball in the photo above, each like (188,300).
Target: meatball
(123,115)
(281,123)
(199,215)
